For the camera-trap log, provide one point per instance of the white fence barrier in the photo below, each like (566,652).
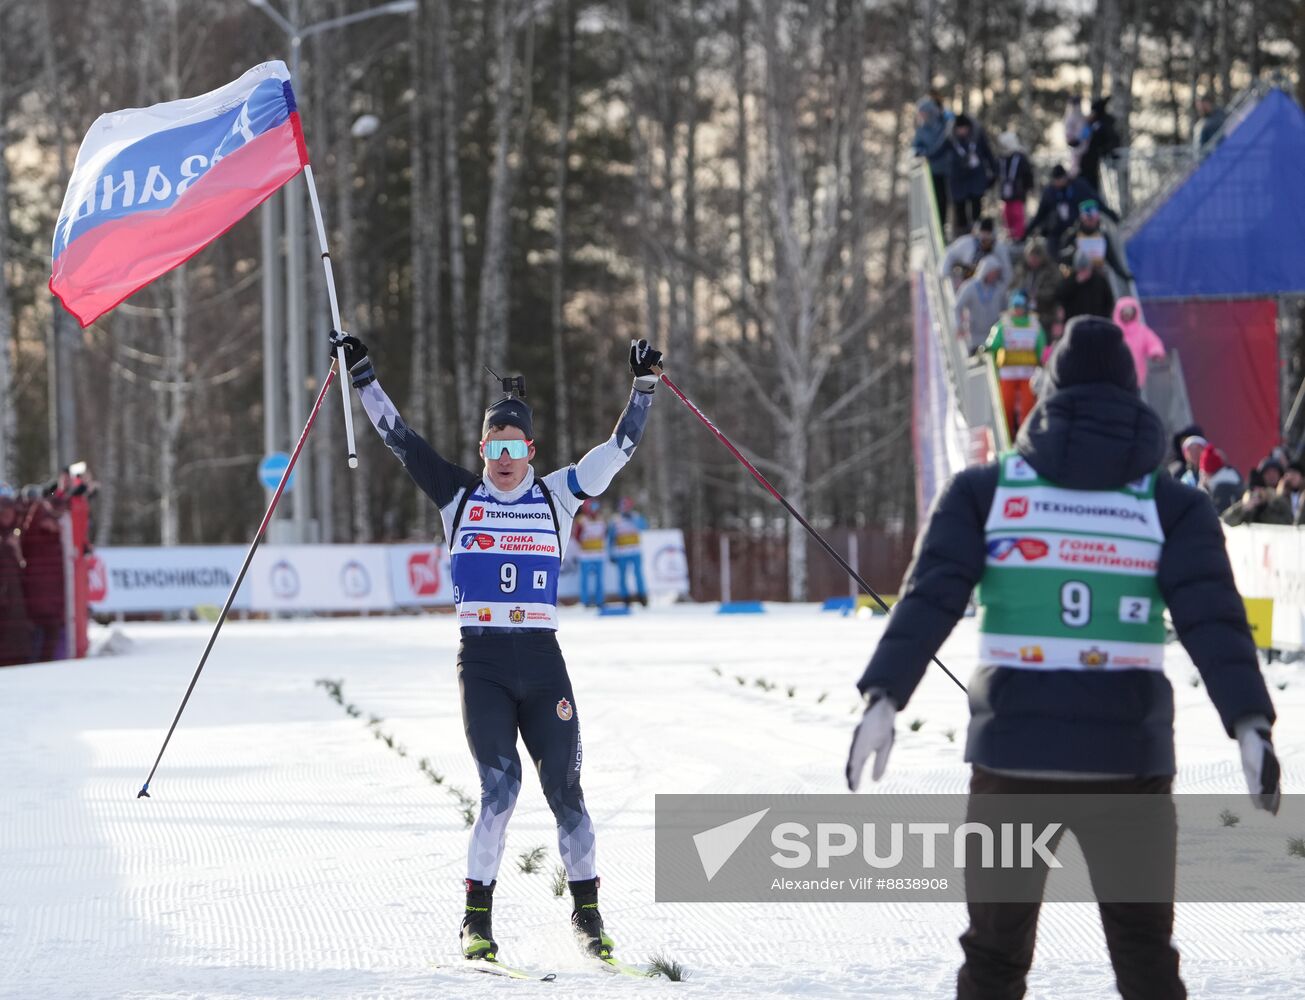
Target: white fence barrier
(1269,561)
(126,579)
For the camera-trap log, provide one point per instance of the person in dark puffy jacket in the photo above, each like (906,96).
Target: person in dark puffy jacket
(973,171)
(1070,696)
(1086,291)
(1058,206)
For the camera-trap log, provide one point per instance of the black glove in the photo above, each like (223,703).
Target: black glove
(643,358)
(355,357)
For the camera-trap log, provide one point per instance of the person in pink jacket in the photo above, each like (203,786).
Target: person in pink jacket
(1142,341)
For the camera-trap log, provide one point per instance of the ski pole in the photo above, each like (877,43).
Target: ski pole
(335,312)
(249,557)
(756,474)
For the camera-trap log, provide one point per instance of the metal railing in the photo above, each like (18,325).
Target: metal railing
(1165,390)
(1139,181)
(1136,176)
(1166,393)
(971,378)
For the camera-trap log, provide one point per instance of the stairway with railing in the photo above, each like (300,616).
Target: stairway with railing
(958,417)
(974,397)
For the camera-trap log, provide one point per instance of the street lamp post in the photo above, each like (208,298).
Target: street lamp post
(295,369)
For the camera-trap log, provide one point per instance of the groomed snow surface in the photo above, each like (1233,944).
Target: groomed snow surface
(287,852)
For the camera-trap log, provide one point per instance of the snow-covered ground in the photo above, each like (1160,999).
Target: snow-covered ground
(287,852)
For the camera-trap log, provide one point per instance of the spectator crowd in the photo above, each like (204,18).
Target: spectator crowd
(36,537)
(1271,493)
(1017,285)
(1025,279)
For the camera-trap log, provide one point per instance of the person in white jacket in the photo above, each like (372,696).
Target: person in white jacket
(964,255)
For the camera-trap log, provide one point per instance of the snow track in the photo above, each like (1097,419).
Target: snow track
(287,852)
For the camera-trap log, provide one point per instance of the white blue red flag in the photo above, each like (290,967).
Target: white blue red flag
(153,186)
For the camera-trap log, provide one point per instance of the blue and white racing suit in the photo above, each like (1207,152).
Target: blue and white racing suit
(506,551)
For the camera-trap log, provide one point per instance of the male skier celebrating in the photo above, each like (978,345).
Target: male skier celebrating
(507,530)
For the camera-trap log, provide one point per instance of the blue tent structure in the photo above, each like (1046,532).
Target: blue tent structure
(1235,227)
(1217,257)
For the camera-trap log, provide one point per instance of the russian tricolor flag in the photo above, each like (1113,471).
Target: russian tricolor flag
(153,186)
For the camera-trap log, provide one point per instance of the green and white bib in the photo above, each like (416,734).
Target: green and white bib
(1070,577)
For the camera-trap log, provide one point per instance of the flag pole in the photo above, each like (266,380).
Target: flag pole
(335,314)
(240,577)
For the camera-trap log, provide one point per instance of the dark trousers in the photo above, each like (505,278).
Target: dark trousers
(965,213)
(517,683)
(998,944)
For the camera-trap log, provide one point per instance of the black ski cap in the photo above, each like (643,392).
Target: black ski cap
(509,412)
(1092,350)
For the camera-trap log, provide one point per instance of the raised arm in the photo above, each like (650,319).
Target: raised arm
(599,466)
(436,476)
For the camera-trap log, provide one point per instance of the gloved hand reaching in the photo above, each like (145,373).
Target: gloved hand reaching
(1259,762)
(874,735)
(355,356)
(643,358)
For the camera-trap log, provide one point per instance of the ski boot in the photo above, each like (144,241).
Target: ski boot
(587,922)
(477,934)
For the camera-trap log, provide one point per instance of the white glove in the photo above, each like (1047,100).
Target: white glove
(1259,762)
(874,735)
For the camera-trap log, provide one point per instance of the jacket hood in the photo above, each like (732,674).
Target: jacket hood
(987,265)
(1095,436)
(1183,435)
(1137,324)
(928,107)
(1123,303)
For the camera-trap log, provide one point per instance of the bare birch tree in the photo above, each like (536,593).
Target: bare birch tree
(491,312)
(561,414)
(811,317)
(450,120)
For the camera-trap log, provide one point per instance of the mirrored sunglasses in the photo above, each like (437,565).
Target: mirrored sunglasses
(492,450)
